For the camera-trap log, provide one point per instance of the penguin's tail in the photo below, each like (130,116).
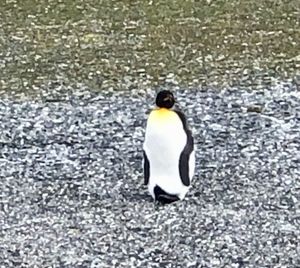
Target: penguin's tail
(164,197)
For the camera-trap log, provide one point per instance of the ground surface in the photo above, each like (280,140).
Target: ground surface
(77,79)
(72,194)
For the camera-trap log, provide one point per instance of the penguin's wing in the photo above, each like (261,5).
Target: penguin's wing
(146,168)
(186,152)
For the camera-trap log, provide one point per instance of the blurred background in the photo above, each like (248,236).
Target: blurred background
(124,45)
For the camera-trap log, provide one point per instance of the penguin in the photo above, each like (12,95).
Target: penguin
(168,151)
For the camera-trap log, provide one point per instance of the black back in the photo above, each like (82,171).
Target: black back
(185,154)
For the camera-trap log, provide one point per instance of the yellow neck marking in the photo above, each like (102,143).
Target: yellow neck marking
(162,115)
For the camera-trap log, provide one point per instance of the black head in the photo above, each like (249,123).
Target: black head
(165,99)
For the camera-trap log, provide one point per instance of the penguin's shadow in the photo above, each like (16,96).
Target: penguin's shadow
(138,197)
(145,198)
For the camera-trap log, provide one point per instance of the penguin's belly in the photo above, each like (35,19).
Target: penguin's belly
(163,145)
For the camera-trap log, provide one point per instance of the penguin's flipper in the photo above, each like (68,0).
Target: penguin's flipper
(184,164)
(163,197)
(185,154)
(146,169)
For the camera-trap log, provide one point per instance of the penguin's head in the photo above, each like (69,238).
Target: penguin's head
(165,99)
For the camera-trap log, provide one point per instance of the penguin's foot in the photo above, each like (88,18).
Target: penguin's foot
(163,197)
(167,199)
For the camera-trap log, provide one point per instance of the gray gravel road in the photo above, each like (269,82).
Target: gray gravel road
(72,194)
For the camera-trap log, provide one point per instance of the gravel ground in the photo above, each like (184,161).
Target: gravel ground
(72,192)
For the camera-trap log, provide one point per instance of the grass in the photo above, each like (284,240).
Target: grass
(136,44)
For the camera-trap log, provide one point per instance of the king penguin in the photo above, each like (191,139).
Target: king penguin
(169,156)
